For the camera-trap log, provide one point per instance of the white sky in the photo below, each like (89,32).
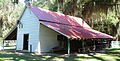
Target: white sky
(22,1)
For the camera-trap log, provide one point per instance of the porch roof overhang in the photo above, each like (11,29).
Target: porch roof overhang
(12,35)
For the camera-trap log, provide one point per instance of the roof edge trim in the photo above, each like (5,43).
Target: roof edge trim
(22,13)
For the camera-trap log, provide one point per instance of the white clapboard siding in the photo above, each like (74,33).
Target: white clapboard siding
(31,26)
(48,38)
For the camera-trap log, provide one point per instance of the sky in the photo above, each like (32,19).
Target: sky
(22,1)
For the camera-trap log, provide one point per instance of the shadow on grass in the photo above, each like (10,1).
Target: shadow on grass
(98,58)
(115,56)
(71,58)
(13,57)
(113,50)
(117,59)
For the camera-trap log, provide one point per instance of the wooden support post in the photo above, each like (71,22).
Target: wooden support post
(94,43)
(94,47)
(83,46)
(68,46)
(3,45)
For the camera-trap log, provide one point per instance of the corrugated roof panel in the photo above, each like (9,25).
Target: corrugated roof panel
(70,26)
(76,32)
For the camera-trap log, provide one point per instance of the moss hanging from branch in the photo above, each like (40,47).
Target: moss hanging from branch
(97,6)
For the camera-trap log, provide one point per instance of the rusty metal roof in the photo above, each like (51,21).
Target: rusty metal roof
(70,26)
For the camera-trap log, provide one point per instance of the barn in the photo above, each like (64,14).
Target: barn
(40,30)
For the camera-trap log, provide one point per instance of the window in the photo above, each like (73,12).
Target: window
(19,24)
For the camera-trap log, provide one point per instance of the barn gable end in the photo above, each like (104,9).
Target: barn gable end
(30,25)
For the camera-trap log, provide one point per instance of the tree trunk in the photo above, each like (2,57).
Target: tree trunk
(117,27)
(60,5)
(0,29)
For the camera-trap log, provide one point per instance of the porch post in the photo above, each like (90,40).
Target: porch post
(3,44)
(68,46)
(94,47)
(83,46)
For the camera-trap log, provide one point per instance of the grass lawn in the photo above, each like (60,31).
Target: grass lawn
(109,55)
(13,57)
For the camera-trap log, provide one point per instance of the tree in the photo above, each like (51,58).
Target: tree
(9,12)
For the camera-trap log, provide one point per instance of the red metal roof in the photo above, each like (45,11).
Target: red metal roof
(70,26)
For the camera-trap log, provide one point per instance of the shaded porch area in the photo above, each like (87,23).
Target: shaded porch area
(80,45)
(9,41)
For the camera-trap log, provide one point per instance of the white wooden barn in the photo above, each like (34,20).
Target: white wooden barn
(37,29)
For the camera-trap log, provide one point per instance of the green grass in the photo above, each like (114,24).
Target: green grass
(109,55)
(113,50)
(13,57)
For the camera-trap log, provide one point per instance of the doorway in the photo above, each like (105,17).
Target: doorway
(25,43)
